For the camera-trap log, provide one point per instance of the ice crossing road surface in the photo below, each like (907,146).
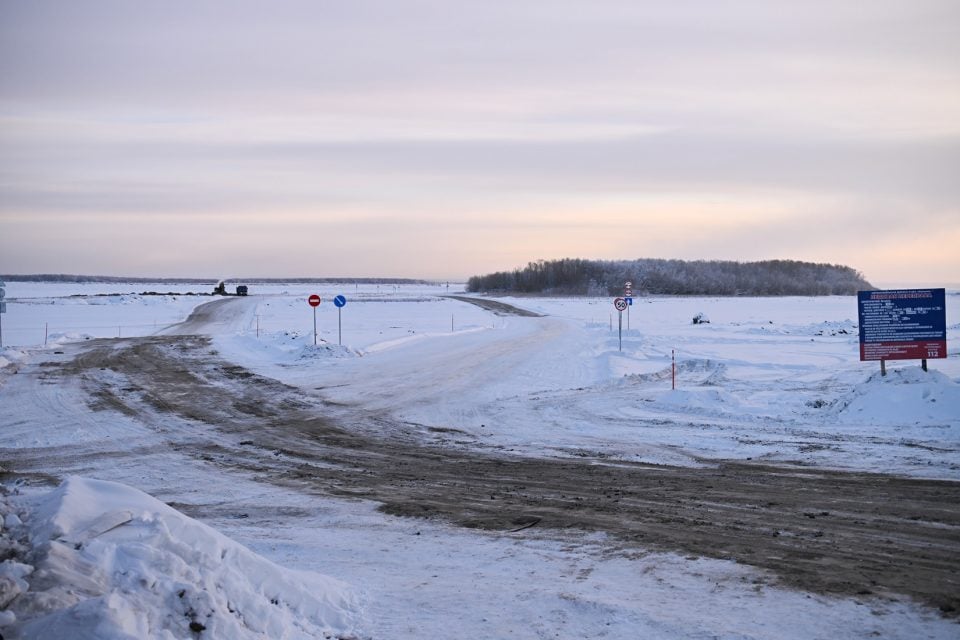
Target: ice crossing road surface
(226,315)
(170,399)
(499,308)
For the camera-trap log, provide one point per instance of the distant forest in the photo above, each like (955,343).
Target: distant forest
(574,276)
(64,277)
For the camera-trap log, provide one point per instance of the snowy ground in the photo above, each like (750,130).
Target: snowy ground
(774,379)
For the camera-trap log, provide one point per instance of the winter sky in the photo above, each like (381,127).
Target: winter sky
(446,138)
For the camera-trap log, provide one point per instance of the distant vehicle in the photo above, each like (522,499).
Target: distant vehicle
(221,289)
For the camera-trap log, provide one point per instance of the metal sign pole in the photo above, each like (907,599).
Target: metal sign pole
(314,301)
(620,304)
(3,308)
(339,302)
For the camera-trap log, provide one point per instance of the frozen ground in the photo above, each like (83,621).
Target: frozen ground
(772,381)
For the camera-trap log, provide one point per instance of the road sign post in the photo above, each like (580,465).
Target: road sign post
(3,309)
(628,295)
(620,305)
(314,301)
(340,302)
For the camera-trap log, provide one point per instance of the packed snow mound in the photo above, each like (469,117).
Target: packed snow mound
(825,328)
(905,396)
(325,349)
(95,559)
(55,339)
(11,356)
(699,399)
(695,371)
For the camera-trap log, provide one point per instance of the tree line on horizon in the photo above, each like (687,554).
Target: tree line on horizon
(81,279)
(577,276)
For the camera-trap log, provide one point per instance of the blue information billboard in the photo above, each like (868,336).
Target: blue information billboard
(902,324)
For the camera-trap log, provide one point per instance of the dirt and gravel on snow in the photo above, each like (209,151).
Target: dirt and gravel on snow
(850,534)
(497,307)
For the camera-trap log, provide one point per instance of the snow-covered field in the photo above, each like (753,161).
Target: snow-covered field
(775,380)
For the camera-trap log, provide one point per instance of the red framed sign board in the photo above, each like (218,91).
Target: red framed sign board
(902,324)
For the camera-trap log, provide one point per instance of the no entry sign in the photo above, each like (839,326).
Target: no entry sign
(314,301)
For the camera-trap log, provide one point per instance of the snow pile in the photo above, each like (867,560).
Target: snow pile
(835,328)
(57,339)
(705,399)
(324,349)
(11,356)
(905,396)
(281,348)
(95,559)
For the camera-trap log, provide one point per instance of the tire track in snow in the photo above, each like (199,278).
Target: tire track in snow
(852,534)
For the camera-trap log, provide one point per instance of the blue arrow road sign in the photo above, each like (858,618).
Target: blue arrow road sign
(340,301)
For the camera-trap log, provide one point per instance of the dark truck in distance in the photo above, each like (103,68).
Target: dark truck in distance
(221,289)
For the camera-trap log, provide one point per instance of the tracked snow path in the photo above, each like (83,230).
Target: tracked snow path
(225,316)
(265,461)
(558,385)
(463,371)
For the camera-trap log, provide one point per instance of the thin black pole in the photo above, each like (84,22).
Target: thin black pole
(620,328)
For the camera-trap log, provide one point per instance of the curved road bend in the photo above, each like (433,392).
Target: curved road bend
(851,534)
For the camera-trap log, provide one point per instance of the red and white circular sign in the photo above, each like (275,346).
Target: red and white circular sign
(314,300)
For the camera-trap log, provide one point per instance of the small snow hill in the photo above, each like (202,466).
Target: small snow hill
(100,560)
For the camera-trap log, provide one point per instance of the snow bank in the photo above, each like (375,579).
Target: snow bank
(905,396)
(11,356)
(57,339)
(95,559)
(324,349)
